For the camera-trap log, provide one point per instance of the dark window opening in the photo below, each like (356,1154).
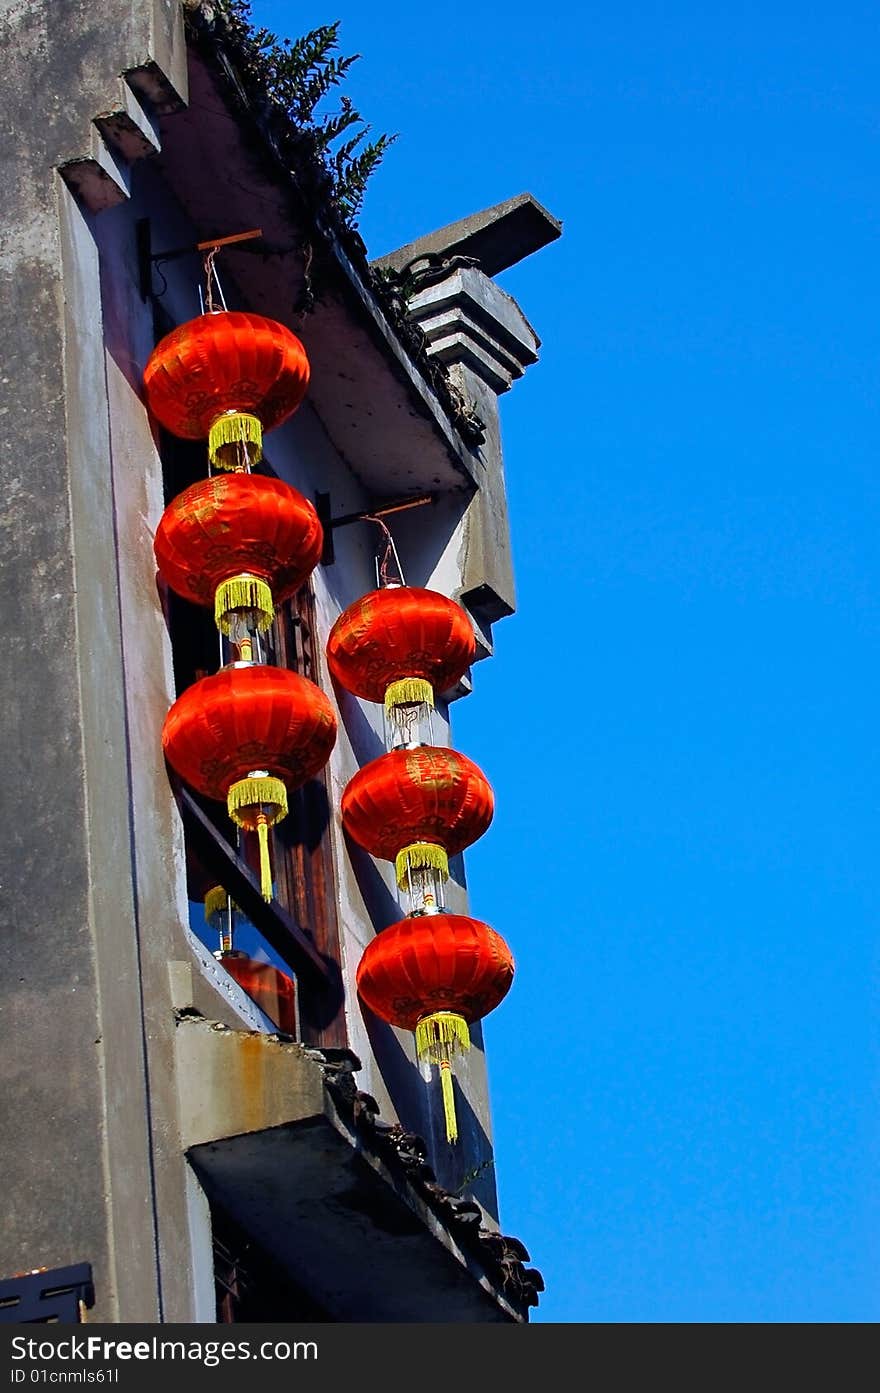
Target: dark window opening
(249,1285)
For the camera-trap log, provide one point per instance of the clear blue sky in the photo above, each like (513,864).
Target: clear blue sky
(681,722)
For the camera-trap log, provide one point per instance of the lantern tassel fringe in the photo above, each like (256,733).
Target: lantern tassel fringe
(418,856)
(215,902)
(265,859)
(234,439)
(441,1035)
(243,592)
(447,1088)
(438,1038)
(408,691)
(256,804)
(245,796)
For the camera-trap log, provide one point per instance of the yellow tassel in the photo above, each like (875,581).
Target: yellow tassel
(408,692)
(448,1090)
(234,440)
(243,592)
(245,797)
(256,804)
(215,902)
(265,860)
(442,1035)
(418,855)
(438,1038)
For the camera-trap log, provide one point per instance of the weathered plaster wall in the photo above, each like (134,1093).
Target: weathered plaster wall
(71,989)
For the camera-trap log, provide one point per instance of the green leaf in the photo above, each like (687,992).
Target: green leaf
(298,75)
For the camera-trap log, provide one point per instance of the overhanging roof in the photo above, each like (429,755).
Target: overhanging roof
(383,411)
(496,238)
(346,1205)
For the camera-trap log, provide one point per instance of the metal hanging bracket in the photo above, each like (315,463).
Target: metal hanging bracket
(147,258)
(381,510)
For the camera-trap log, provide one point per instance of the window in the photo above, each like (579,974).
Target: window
(299,930)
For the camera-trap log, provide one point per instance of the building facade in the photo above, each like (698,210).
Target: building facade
(205,1164)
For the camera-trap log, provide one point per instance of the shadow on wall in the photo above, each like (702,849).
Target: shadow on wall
(423,535)
(465,1169)
(309,816)
(381,904)
(367,743)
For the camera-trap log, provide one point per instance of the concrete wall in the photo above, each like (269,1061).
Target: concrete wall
(93,909)
(74,1056)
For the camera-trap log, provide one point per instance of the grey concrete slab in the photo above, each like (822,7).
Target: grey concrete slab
(497,237)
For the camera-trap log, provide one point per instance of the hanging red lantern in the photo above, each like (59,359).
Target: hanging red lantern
(220,912)
(433,975)
(269,988)
(244,541)
(228,376)
(417,808)
(272,990)
(246,735)
(401,645)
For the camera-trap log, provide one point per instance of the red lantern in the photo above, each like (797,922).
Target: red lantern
(244,541)
(272,990)
(432,975)
(401,645)
(228,376)
(244,734)
(417,807)
(220,914)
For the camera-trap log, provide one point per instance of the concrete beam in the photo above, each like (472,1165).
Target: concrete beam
(497,237)
(467,319)
(129,127)
(121,135)
(485,342)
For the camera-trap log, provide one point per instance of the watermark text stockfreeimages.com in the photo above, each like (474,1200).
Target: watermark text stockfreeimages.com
(97,1349)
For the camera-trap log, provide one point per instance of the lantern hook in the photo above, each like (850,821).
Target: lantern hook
(147,258)
(382,510)
(383,579)
(212,278)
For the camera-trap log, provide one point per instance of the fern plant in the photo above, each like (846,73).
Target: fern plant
(298,75)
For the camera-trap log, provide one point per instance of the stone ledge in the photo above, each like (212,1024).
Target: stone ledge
(496,237)
(284,1142)
(121,135)
(467,318)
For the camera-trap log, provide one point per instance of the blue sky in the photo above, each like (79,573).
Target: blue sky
(681,720)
